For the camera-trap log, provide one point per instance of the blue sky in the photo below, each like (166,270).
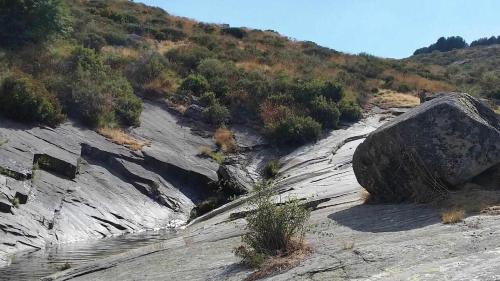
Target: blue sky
(387,28)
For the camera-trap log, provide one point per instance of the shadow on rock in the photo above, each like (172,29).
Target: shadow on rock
(235,270)
(386,218)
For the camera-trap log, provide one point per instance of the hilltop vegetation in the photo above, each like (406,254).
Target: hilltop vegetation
(96,61)
(474,70)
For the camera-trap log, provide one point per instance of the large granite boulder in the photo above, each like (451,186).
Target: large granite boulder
(433,148)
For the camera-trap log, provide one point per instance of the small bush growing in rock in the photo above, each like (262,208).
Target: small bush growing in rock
(25,99)
(271,169)
(224,139)
(274,230)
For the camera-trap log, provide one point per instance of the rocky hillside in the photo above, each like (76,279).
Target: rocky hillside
(352,238)
(116,117)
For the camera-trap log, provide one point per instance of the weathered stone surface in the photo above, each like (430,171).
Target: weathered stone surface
(5,205)
(351,240)
(53,164)
(194,112)
(436,146)
(116,190)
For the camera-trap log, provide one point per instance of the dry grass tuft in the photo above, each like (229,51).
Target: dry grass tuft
(118,136)
(452,216)
(471,198)
(390,99)
(348,245)
(224,139)
(366,197)
(276,264)
(216,156)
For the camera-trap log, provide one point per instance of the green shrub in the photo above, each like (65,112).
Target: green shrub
(325,112)
(32,20)
(271,169)
(208,99)
(170,33)
(219,75)
(236,32)
(188,58)
(99,96)
(403,88)
(308,90)
(216,114)
(25,99)
(150,67)
(273,230)
(208,41)
(350,111)
(194,84)
(117,39)
(85,59)
(93,41)
(295,130)
(333,91)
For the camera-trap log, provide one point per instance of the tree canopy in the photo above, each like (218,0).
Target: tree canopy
(443,45)
(23,21)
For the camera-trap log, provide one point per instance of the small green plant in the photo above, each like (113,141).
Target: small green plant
(15,202)
(274,230)
(34,171)
(271,169)
(217,156)
(65,266)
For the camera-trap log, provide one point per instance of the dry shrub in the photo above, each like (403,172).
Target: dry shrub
(471,198)
(224,139)
(366,197)
(118,136)
(216,156)
(271,113)
(275,264)
(452,216)
(124,52)
(348,245)
(390,99)
(419,82)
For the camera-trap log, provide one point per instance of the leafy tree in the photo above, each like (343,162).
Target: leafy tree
(444,45)
(23,21)
(485,41)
